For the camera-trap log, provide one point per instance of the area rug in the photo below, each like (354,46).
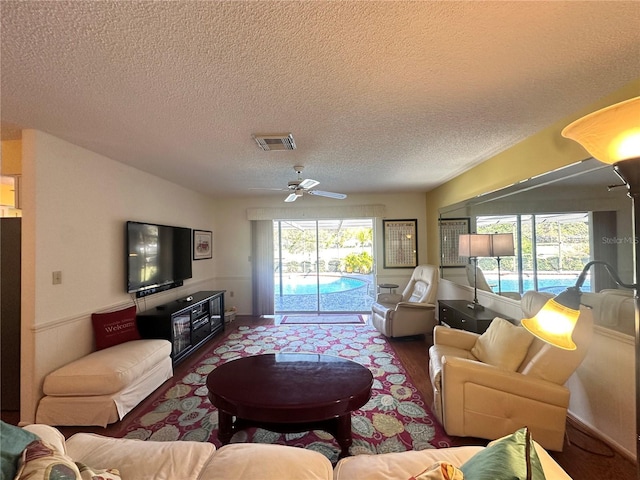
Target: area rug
(322,319)
(395,419)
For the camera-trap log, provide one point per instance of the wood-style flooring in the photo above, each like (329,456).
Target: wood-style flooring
(584,457)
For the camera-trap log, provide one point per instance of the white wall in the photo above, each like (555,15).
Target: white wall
(602,388)
(75,206)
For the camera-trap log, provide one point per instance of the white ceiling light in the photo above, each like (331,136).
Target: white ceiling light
(282,141)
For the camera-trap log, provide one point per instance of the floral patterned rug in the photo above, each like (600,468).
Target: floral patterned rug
(395,419)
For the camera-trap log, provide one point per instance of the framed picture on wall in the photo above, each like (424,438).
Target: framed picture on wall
(450,229)
(202,244)
(400,243)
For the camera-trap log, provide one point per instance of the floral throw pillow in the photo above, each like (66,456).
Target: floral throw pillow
(440,471)
(40,461)
(88,473)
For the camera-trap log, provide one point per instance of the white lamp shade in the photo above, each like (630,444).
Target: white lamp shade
(474,245)
(610,135)
(502,245)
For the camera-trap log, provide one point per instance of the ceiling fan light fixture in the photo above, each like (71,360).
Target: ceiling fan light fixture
(280,141)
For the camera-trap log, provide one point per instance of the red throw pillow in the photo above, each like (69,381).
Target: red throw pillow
(114,328)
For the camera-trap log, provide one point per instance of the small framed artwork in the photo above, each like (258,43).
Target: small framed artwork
(450,230)
(202,244)
(400,243)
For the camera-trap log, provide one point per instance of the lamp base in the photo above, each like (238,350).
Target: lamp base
(475,306)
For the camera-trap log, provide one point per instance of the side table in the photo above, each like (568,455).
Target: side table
(390,286)
(456,314)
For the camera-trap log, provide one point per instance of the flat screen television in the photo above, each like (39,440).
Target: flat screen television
(158,257)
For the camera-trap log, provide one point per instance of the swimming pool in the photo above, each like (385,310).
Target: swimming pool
(553,284)
(308,284)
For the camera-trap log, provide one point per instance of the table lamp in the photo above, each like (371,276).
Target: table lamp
(501,246)
(474,245)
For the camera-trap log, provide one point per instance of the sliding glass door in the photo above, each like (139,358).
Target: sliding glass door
(323,266)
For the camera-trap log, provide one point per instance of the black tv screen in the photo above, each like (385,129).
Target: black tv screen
(158,257)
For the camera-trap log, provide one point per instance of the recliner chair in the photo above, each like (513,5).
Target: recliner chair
(413,311)
(476,399)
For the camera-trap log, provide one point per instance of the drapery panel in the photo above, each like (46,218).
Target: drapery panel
(262,267)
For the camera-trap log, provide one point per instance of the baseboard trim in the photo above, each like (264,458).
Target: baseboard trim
(603,438)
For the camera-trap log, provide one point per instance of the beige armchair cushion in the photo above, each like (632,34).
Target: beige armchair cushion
(502,345)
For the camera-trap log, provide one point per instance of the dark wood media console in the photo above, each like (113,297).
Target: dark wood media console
(186,323)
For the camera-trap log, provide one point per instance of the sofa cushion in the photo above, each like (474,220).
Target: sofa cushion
(106,371)
(510,458)
(143,460)
(503,345)
(13,441)
(113,328)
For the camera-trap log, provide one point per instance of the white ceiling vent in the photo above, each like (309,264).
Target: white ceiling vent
(283,141)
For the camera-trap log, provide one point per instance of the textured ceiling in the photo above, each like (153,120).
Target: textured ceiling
(380,96)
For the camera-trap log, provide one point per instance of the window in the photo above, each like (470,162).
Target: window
(550,251)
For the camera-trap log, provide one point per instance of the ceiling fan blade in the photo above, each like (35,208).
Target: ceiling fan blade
(292,197)
(321,193)
(308,183)
(271,189)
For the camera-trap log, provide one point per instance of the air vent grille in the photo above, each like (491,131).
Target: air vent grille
(282,141)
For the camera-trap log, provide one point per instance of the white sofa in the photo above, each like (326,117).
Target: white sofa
(183,460)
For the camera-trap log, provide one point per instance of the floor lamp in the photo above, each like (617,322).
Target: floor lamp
(474,245)
(501,246)
(612,136)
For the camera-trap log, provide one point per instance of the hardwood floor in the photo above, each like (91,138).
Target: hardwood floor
(583,457)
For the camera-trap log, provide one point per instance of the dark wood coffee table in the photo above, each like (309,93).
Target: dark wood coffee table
(289,392)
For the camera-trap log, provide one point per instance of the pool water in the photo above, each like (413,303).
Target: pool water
(308,284)
(554,284)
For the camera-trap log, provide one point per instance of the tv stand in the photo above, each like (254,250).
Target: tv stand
(187,323)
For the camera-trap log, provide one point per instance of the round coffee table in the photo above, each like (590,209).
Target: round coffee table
(289,392)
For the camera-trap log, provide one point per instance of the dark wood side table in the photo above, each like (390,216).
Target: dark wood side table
(289,392)
(456,314)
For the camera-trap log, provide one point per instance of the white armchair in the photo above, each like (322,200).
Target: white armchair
(413,311)
(475,398)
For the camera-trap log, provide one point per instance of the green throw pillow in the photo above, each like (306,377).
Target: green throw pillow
(13,441)
(510,458)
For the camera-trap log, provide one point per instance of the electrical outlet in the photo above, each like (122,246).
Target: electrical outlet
(57,277)
(231,293)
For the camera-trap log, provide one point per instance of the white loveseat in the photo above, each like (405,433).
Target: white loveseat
(184,460)
(102,387)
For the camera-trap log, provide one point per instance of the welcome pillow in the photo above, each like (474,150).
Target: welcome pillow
(114,328)
(503,345)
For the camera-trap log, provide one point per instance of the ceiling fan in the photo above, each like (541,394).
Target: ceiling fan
(297,188)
